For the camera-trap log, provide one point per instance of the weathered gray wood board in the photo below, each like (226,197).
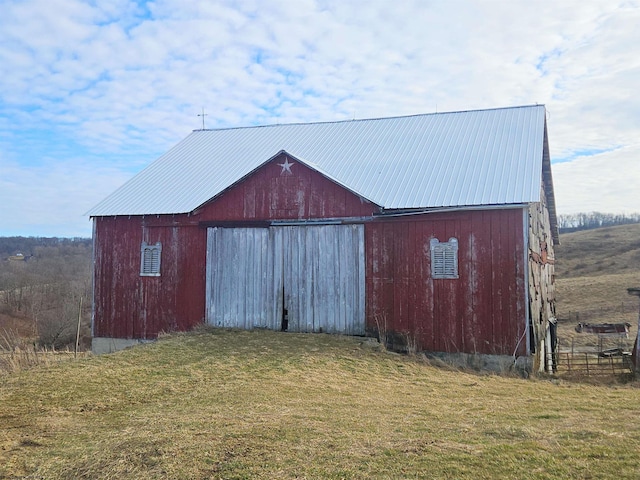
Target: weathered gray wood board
(315,273)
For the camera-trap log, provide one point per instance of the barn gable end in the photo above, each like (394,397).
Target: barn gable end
(285,187)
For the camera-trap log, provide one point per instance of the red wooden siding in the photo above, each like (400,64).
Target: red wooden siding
(127,305)
(482,311)
(271,194)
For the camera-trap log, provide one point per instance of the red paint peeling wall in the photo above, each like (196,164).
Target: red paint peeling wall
(127,305)
(270,195)
(483,311)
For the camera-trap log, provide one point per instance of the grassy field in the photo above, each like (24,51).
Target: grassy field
(594,268)
(601,251)
(229,404)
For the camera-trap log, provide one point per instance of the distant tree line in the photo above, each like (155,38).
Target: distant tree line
(45,291)
(28,245)
(586,221)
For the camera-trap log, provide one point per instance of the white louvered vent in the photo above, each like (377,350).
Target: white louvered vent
(444,258)
(150,259)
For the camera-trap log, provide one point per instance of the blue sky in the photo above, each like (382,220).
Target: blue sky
(93,91)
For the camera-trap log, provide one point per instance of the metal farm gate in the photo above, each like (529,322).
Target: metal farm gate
(294,278)
(592,363)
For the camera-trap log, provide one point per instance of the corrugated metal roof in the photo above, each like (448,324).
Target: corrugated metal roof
(481,157)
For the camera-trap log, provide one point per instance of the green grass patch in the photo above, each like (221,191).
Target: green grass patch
(231,404)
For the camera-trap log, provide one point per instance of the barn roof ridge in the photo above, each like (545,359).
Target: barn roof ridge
(468,158)
(369,119)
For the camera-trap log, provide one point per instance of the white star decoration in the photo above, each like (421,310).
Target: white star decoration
(286,166)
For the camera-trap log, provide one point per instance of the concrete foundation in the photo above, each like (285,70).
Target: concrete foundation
(491,363)
(100,345)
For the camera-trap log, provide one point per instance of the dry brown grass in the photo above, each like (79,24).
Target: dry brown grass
(594,269)
(21,326)
(225,404)
(601,251)
(596,299)
(19,353)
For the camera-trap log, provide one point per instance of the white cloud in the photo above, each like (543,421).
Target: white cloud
(122,81)
(52,198)
(607,182)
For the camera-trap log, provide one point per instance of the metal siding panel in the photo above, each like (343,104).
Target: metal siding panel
(404,162)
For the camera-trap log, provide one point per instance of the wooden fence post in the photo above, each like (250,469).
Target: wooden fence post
(75,355)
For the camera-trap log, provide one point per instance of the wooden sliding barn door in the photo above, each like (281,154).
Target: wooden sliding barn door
(314,274)
(241,266)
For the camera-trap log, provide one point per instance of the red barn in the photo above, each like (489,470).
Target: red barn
(436,231)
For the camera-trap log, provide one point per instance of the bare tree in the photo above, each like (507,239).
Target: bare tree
(585,221)
(46,289)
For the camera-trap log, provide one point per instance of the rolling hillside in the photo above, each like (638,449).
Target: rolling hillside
(601,251)
(594,268)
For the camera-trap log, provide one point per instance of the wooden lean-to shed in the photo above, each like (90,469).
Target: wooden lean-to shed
(436,230)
